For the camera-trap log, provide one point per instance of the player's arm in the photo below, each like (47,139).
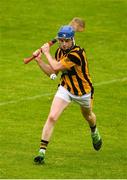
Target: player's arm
(46,68)
(56,65)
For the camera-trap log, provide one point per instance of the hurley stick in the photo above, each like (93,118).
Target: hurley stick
(78,25)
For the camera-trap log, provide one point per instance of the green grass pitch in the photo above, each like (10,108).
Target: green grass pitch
(26,93)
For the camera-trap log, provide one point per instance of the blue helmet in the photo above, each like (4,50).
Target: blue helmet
(66,32)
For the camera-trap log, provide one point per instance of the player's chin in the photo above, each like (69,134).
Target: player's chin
(64,48)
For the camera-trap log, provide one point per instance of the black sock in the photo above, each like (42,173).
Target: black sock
(93,128)
(44,144)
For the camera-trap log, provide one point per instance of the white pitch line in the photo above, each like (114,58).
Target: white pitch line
(49,94)
(111,81)
(24,99)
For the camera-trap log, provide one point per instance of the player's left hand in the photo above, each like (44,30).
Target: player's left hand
(37,55)
(45,48)
(37,52)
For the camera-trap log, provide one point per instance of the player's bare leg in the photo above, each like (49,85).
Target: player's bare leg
(58,106)
(91,119)
(89,116)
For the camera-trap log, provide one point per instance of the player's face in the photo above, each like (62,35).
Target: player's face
(65,43)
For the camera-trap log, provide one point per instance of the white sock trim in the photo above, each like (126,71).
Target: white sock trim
(42,151)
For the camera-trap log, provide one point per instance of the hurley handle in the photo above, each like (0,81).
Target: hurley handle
(27,60)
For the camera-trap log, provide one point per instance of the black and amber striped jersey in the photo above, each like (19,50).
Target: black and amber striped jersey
(75,78)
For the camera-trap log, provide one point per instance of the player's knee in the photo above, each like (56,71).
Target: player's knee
(52,118)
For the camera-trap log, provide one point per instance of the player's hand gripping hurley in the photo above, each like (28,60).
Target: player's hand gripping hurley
(27,60)
(78,26)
